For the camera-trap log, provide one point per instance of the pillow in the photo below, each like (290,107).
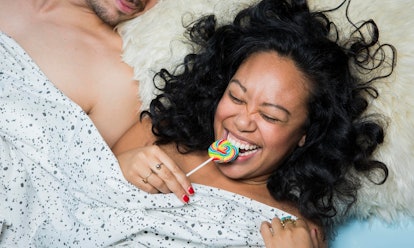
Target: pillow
(155,40)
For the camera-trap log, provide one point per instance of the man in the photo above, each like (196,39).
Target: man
(75,45)
(51,155)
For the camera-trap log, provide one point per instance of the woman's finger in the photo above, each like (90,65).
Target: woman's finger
(142,182)
(156,182)
(288,222)
(267,233)
(166,181)
(171,174)
(277,225)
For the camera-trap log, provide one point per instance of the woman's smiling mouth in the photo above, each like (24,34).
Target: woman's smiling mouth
(245,149)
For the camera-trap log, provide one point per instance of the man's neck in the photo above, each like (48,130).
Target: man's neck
(75,13)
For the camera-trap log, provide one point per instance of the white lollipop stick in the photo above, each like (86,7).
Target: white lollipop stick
(199,167)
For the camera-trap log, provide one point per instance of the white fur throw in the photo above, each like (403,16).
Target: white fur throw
(395,198)
(155,40)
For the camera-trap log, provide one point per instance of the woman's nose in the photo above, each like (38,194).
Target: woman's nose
(244,122)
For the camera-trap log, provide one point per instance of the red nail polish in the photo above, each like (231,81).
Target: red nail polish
(191,190)
(185,198)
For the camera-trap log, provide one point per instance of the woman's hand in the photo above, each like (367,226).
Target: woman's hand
(151,169)
(288,233)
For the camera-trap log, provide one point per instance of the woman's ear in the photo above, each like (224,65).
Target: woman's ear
(302,141)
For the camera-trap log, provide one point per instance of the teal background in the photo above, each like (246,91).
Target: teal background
(374,234)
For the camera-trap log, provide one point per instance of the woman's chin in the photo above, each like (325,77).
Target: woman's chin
(231,170)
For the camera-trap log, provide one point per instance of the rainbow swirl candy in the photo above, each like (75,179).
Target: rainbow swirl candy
(222,151)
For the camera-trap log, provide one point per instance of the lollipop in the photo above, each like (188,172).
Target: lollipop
(221,151)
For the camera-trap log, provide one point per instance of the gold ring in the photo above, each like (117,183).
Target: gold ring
(145,179)
(285,220)
(158,166)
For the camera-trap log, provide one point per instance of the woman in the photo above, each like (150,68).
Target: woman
(280,85)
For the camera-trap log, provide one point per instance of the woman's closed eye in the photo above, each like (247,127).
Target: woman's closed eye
(235,99)
(270,119)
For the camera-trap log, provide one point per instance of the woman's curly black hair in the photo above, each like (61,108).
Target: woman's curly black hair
(339,137)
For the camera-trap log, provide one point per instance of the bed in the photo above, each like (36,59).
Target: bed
(383,215)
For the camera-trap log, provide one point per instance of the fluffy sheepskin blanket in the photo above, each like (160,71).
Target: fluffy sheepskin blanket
(155,40)
(395,198)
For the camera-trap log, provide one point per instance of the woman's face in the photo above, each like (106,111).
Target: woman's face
(263,112)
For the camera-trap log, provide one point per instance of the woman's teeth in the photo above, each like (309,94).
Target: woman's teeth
(244,149)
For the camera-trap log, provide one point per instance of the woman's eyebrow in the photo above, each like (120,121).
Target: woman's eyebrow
(233,80)
(276,106)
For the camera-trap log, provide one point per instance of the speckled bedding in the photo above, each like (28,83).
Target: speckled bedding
(60,185)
